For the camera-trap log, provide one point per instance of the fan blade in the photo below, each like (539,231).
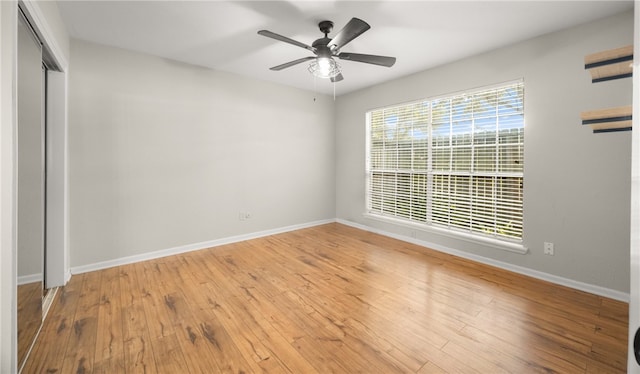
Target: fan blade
(369,59)
(352,30)
(337,78)
(281,38)
(291,63)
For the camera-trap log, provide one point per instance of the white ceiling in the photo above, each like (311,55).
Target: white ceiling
(223,35)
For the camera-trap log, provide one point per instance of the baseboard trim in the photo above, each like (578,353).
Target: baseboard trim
(48,301)
(67,276)
(191,247)
(31,278)
(593,289)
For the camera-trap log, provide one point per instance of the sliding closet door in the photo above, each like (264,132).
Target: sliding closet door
(31,187)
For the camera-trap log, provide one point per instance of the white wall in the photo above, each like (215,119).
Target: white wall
(164,154)
(577,184)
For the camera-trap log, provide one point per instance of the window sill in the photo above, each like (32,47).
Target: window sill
(475,239)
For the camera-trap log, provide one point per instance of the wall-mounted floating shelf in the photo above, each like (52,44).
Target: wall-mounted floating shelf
(612,64)
(608,120)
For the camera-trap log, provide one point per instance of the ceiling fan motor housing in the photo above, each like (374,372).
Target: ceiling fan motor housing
(321,47)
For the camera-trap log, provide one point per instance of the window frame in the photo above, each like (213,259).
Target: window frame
(470,234)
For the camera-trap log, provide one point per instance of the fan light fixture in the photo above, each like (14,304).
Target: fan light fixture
(322,64)
(324,67)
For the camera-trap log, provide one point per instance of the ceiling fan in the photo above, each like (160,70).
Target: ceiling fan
(325,49)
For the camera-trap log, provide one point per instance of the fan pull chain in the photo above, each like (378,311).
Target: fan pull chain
(315,88)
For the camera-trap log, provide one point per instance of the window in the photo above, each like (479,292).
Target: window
(454,162)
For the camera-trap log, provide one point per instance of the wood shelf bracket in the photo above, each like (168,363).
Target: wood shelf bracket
(608,120)
(612,64)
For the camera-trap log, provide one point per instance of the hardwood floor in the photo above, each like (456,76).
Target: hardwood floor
(29,298)
(325,299)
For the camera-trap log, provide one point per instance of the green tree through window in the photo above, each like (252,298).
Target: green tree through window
(454,162)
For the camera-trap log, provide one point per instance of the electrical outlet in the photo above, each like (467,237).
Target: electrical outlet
(548,248)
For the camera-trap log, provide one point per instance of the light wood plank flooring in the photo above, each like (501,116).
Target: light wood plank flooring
(325,299)
(29,300)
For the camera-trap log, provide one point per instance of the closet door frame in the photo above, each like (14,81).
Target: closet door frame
(42,16)
(57,257)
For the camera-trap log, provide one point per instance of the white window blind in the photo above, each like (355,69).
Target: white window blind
(454,162)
